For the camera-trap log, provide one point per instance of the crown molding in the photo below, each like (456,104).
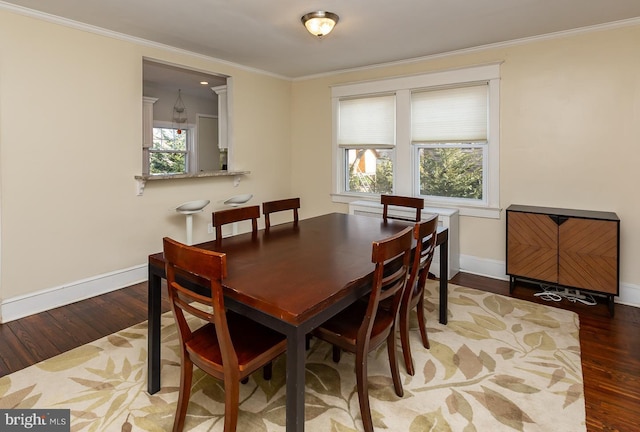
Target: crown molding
(20,10)
(515,42)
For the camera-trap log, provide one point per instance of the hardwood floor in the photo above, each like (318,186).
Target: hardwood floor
(610,346)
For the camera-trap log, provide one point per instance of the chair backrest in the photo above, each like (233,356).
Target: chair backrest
(385,254)
(235,214)
(278,206)
(182,263)
(425,233)
(401,201)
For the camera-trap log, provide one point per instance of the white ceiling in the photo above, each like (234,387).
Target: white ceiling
(189,81)
(268,35)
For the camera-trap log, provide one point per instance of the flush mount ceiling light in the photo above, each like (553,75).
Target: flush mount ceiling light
(319,23)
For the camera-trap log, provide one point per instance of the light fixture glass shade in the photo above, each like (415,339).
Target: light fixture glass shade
(179,113)
(320,23)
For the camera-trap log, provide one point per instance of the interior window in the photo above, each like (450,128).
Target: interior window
(185,120)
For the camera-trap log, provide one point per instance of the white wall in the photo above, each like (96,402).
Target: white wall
(70,146)
(570,122)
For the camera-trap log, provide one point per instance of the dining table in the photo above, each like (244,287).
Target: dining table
(292,278)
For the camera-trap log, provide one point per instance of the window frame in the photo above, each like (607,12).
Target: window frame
(406,174)
(381,144)
(190,130)
(449,200)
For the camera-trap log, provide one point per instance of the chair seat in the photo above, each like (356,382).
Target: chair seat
(343,327)
(205,350)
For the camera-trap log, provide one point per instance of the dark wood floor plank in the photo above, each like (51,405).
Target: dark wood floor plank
(46,327)
(610,346)
(75,324)
(12,352)
(27,331)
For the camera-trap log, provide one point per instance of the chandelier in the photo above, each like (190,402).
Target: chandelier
(179,116)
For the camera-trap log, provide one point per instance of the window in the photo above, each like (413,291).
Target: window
(205,109)
(449,135)
(366,136)
(169,151)
(434,135)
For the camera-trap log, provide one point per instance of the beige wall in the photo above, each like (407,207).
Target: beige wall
(570,128)
(570,122)
(70,146)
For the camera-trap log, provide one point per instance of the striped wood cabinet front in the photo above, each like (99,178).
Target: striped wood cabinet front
(568,248)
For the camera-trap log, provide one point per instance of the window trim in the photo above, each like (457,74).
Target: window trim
(190,128)
(405,154)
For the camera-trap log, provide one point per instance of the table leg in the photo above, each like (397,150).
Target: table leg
(444,281)
(154,299)
(296,355)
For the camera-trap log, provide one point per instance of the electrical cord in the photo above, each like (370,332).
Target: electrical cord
(555,294)
(548,296)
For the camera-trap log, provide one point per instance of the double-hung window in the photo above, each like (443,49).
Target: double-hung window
(169,153)
(449,136)
(434,135)
(366,138)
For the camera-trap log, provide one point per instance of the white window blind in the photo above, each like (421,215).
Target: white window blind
(368,121)
(450,115)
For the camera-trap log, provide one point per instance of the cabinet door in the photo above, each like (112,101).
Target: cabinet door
(532,246)
(588,255)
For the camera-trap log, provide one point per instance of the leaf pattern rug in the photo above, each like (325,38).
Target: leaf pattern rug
(500,364)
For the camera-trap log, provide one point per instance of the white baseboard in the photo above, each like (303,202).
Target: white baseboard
(629,293)
(483,267)
(29,304)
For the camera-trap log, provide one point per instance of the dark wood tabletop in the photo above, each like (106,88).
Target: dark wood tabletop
(291,278)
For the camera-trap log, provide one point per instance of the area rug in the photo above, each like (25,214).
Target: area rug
(500,364)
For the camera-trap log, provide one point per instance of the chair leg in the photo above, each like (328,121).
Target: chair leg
(422,322)
(307,341)
(267,371)
(363,391)
(186,377)
(336,354)
(404,339)
(231,402)
(393,361)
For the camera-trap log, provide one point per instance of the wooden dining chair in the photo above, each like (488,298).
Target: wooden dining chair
(228,346)
(425,233)
(401,201)
(278,206)
(236,214)
(364,326)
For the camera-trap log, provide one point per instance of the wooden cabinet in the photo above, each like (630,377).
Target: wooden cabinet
(569,248)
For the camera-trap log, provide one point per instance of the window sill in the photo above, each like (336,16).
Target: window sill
(144,178)
(483,212)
